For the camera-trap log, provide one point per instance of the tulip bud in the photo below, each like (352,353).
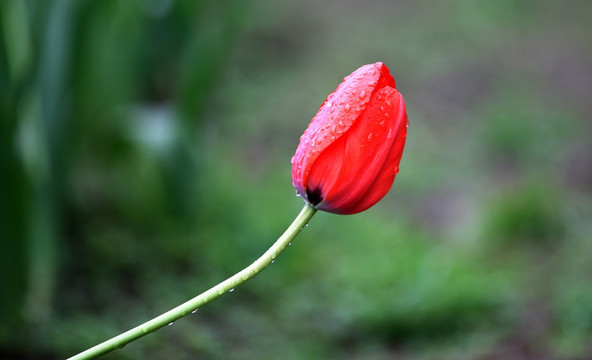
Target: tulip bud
(349,155)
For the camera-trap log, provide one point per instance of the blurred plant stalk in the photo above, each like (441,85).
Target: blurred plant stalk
(69,70)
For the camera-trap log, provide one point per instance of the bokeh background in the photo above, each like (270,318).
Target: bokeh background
(145,155)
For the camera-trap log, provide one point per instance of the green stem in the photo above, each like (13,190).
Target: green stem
(227,285)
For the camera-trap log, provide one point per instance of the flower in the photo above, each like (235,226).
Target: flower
(349,155)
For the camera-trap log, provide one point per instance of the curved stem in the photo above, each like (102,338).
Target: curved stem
(227,285)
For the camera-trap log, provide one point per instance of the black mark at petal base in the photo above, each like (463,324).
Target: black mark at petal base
(314,196)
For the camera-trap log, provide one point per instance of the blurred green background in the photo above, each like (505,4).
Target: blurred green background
(145,155)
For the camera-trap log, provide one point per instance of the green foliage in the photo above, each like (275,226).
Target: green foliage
(532,215)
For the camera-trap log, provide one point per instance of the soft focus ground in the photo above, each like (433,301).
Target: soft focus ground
(145,156)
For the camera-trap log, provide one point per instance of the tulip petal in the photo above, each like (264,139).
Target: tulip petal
(386,175)
(335,116)
(349,155)
(368,148)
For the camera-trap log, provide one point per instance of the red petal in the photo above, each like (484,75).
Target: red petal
(386,175)
(335,116)
(368,156)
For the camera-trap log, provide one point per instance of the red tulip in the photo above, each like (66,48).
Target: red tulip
(349,155)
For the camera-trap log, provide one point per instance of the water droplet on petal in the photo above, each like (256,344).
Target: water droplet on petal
(347,107)
(369,137)
(362,94)
(390,134)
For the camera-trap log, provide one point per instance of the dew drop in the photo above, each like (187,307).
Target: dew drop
(382,123)
(329,104)
(390,134)
(386,114)
(272,261)
(231,290)
(362,94)
(171,323)
(369,137)
(194,311)
(289,244)
(347,107)
(389,103)
(381,108)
